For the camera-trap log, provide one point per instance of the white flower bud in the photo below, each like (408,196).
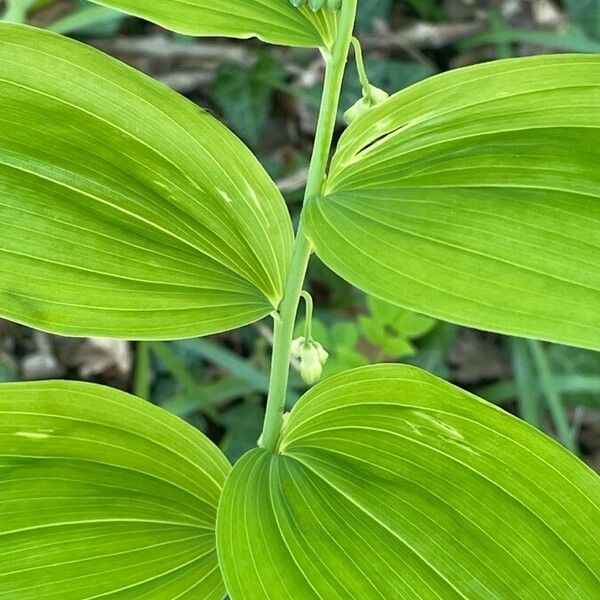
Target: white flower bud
(323,354)
(296,347)
(310,364)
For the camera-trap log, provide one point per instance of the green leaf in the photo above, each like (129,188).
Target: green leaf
(274,21)
(369,12)
(104,495)
(244,95)
(126,210)
(473,197)
(391,483)
(392,328)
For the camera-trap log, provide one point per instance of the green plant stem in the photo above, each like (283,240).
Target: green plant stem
(142,373)
(308,316)
(551,392)
(335,65)
(360,66)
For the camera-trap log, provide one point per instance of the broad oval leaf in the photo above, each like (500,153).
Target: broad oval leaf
(391,483)
(104,495)
(274,21)
(126,210)
(474,197)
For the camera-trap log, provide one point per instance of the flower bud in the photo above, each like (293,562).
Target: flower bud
(322,353)
(312,357)
(296,347)
(376,96)
(310,364)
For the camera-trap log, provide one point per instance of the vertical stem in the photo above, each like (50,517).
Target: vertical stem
(335,64)
(142,371)
(308,316)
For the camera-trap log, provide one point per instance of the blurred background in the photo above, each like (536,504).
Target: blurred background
(269,96)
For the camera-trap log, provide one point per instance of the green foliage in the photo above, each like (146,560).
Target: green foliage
(133,213)
(430,491)
(369,11)
(392,327)
(104,494)
(129,212)
(274,21)
(472,197)
(244,95)
(244,424)
(344,355)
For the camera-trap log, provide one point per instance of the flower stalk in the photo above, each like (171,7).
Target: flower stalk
(335,64)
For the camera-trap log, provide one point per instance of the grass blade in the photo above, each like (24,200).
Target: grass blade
(551,391)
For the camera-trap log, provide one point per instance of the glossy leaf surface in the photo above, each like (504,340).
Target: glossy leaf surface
(104,495)
(274,21)
(126,210)
(474,197)
(391,483)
